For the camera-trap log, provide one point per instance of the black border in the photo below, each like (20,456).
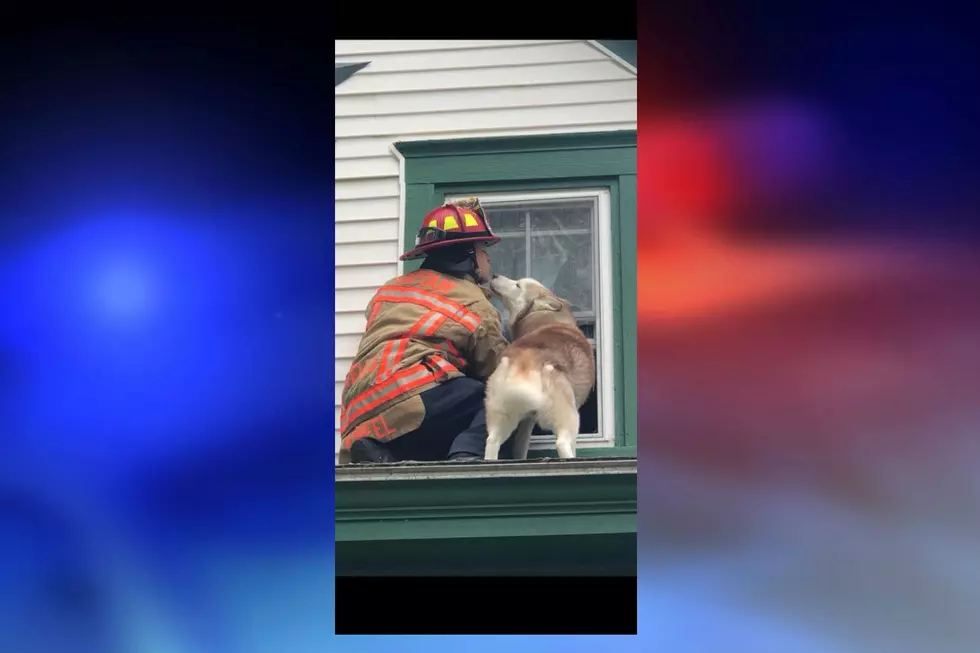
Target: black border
(505,19)
(485,605)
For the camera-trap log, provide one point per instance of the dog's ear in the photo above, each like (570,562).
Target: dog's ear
(550,303)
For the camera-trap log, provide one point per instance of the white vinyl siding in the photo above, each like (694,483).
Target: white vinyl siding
(425,90)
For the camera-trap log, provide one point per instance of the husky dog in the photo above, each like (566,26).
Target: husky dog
(544,375)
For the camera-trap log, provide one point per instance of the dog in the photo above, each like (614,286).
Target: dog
(544,375)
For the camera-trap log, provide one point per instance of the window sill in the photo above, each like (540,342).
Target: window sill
(544,497)
(587,450)
(542,466)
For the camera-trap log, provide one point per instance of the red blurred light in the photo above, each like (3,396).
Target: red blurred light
(684,174)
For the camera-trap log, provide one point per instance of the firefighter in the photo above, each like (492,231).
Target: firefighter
(415,389)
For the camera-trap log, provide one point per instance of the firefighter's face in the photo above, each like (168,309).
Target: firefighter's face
(483,263)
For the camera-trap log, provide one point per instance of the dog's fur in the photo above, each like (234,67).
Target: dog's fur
(544,375)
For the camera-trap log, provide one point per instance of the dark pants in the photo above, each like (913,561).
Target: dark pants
(455,423)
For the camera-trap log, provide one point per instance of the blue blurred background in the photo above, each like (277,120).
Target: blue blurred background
(165,337)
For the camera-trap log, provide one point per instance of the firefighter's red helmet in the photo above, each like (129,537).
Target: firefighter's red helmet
(451,224)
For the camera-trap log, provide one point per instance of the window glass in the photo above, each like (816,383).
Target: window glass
(554,242)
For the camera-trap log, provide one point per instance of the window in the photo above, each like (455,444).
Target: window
(564,206)
(562,240)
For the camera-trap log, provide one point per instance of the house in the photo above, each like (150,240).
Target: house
(544,132)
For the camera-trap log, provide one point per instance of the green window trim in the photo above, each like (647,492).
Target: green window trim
(435,169)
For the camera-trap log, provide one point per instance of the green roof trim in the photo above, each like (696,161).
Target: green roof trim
(343,71)
(438,501)
(517,144)
(624,49)
(610,554)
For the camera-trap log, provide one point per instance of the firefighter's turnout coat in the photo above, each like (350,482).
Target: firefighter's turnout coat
(423,328)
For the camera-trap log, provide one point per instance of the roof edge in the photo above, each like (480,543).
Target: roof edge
(622,51)
(484,469)
(418,503)
(343,71)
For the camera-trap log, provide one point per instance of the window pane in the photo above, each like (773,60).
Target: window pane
(563,215)
(563,263)
(509,257)
(587,325)
(504,220)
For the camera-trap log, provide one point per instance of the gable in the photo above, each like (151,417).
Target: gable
(419,66)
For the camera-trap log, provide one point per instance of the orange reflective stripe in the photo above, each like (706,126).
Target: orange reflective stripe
(430,280)
(404,381)
(359,370)
(428,324)
(451,348)
(409,379)
(383,356)
(448,347)
(444,367)
(391,355)
(376,428)
(432,328)
(432,301)
(374,313)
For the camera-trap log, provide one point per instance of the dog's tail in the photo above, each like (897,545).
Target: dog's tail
(522,389)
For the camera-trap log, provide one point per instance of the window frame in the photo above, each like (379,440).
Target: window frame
(602,303)
(434,169)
